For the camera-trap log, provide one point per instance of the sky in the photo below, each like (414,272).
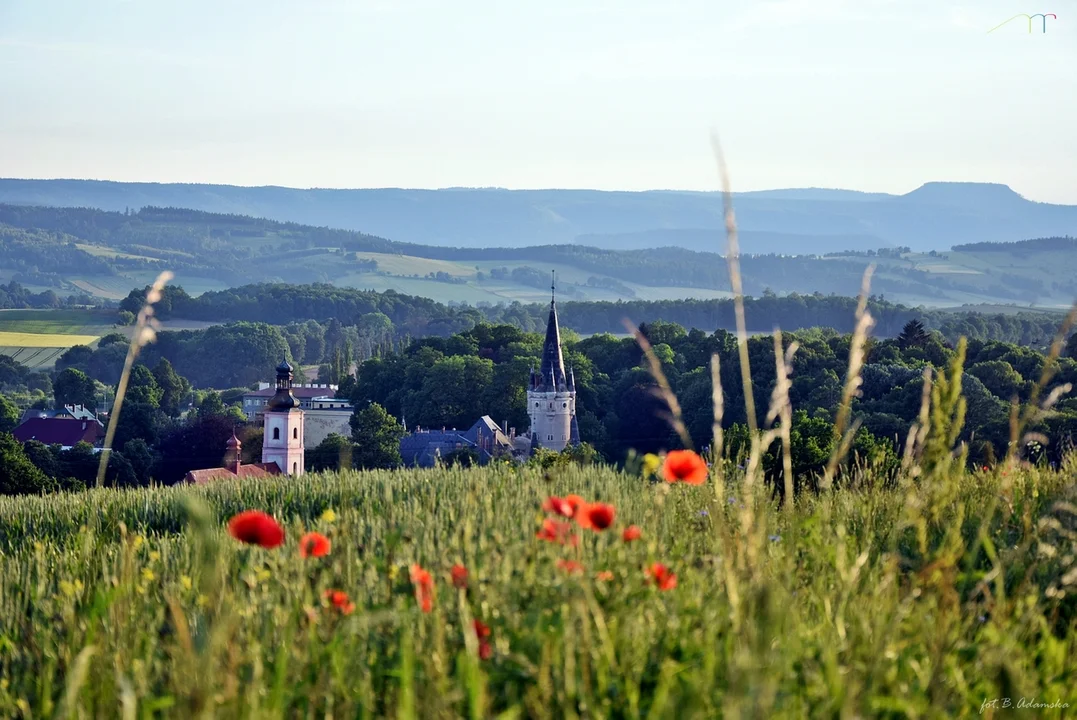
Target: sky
(875,95)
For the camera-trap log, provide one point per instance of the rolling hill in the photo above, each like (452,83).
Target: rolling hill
(793,221)
(105,254)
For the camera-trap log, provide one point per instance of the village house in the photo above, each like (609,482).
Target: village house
(65,431)
(324,414)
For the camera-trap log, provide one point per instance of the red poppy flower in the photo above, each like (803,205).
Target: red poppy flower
(684,466)
(313,545)
(632,532)
(558,532)
(575,502)
(662,577)
(604,575)
(459,576)
(569,566)
(424,588)
(482,632)
(599,516)
(339,599)
(561,506)
(254,527)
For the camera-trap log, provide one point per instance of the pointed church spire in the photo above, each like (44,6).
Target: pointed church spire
(552,371)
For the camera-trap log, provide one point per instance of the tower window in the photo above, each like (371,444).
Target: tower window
(564,405)
(295,433)
(295,468)
(276,433)
(536,404)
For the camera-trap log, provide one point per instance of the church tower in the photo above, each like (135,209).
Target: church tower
(283,440)
(551,394)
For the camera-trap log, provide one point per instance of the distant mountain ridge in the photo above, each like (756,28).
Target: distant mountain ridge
(792,221)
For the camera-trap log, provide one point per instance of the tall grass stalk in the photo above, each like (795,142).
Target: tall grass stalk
(843,431)
(718,406)
(145,332)
(663,390)
(781,409)
(733,263)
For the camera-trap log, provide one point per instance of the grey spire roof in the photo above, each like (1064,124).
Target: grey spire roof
(551,375)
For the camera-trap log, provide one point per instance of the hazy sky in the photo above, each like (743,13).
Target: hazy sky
(876,95)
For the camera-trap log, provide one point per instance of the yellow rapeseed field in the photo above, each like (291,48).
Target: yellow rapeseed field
(43,340)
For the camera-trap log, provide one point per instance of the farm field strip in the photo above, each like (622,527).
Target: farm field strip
(44,340)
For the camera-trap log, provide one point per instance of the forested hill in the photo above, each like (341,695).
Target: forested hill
(416,317)
(104,254)
(934,216)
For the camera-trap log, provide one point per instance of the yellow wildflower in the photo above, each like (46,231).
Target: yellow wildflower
(155,556)
(393,572)
(329,516)
(138,541)
(651,463)
(185,582)
(263,575)
(148,574)
(201,601)
(67,587)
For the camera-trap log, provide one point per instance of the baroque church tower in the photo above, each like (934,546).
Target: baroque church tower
(551,394)
(283,440)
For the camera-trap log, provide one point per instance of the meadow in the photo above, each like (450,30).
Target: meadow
(922,599)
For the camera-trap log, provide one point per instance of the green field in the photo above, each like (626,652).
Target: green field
(861,603)
(37,337)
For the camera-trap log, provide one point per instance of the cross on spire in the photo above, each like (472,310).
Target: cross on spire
(553,285)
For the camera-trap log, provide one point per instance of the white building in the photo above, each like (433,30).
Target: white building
(551,395)
(283,424)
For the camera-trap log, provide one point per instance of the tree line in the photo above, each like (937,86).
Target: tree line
(168,427)
(411,316)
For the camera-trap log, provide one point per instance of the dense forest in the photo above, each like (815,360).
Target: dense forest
(451,381)
(415,317)
(14,296)
(168,427)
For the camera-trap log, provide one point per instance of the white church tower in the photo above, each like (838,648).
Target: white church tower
(551,394)
(283,441)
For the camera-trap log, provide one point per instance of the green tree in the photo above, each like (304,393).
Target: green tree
(174,388)
(142,387)
(141,459)
(912,335)
(333,453)
(19,476)
(73,387)
(9,415)
(376,435)
(461,457)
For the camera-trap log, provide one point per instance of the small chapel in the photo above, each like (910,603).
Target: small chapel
(282,443)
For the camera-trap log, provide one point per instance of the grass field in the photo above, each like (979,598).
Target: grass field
(861,603)
(37,337)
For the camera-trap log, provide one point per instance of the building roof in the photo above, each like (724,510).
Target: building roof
(422,447)
(76,411)
(303,392)
(200,477)
(551,376)
(60,431)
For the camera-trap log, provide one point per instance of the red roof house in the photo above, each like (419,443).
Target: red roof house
(233,468)
(64,431)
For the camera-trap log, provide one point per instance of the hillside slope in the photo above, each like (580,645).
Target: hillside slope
(935,216)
